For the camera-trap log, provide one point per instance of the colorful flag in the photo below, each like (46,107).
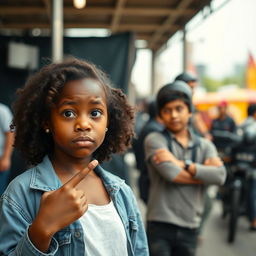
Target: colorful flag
(251,73)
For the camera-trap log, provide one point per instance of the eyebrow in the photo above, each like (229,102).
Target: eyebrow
(97,101)
(68,102)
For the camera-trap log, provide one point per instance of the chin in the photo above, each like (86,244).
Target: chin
(83,153)
(175,130)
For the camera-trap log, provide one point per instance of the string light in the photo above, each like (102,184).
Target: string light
(79,4)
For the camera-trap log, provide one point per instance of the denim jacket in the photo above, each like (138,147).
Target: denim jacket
(20,202)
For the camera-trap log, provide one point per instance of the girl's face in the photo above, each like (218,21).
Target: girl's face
(79,119)
(175,116)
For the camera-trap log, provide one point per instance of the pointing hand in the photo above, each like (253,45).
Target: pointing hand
(65,205)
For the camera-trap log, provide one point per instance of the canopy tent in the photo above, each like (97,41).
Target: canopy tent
(238,100)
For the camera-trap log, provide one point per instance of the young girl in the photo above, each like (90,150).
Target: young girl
(66,119)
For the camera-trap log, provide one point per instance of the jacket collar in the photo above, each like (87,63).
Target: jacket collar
(111,182)
(44,178)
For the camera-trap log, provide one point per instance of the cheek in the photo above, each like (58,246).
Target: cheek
(165,119)
(101,129)
(61,128)
(59,136)
(101,134)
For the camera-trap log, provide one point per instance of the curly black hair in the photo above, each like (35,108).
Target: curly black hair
(33,105)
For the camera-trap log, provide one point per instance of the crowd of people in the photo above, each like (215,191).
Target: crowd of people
(68,121)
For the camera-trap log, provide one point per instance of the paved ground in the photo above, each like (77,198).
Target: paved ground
(215,237)
(214,241)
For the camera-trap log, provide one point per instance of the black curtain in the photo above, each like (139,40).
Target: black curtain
(114,54)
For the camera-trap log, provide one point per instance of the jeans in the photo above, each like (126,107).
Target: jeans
(4,177)
(166,239)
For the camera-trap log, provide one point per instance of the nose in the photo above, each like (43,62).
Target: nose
(82,124)
(174,114)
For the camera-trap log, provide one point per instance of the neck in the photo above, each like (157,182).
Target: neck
(69,165)
(222,116)
(183,137)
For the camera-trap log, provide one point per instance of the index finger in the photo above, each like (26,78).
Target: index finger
(76,179)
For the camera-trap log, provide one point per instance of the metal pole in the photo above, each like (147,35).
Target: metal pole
(153,81)
(184,50)
(57,30)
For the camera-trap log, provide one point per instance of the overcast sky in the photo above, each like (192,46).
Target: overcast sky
(226,37)
(222,40)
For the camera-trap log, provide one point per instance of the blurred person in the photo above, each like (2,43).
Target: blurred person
(6,145)
(251,116)
(188,78)
(181,166)
(141,116)
(223,122)
(153,124)
(222,128)
(249,126)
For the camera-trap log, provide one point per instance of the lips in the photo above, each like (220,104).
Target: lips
(83,141)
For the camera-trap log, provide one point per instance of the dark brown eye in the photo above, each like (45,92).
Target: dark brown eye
(68,113)
(96,113)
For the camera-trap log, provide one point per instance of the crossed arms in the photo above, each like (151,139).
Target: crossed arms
(207,169)
(184,176)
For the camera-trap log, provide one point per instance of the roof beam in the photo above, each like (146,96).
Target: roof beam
(117,15)
(121,28)
(127,11)
(21,10)
(140,11)
(167,23)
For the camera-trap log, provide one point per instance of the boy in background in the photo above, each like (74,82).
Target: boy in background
(181,165)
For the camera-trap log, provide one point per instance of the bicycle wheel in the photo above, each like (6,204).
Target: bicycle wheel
(234,214)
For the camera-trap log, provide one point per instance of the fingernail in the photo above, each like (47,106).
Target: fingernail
(93,164)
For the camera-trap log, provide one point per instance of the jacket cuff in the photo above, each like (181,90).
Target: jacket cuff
(27,248)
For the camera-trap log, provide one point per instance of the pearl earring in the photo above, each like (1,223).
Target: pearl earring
(47,130)
(106,129)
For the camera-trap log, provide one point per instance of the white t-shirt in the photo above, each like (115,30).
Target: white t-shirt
(104,233)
